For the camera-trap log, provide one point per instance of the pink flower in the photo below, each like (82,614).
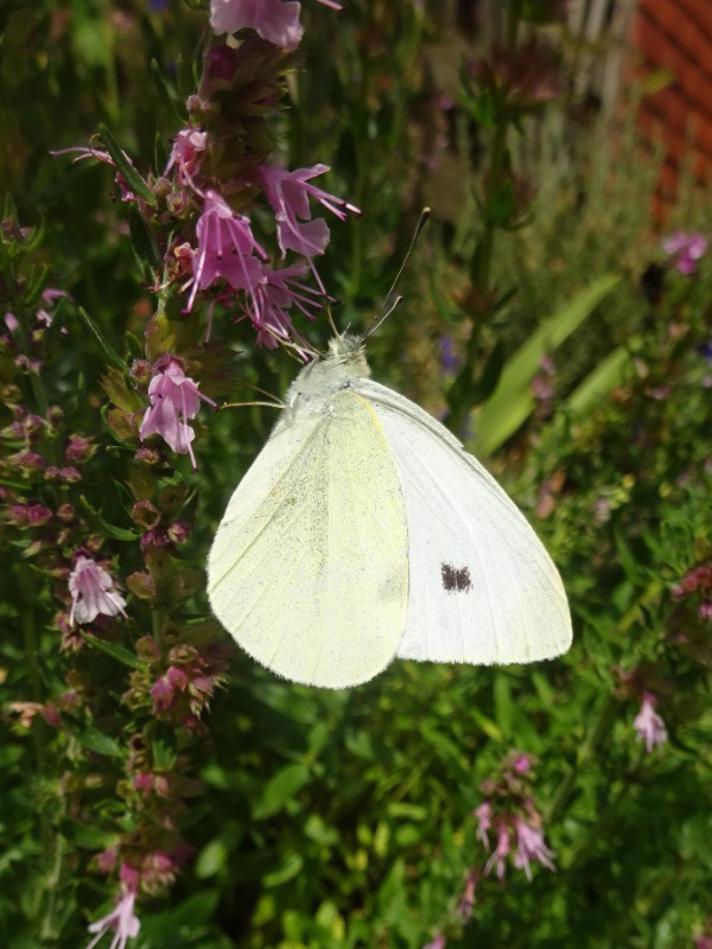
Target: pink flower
(288,194)
(276,21)
(687,248)
(467,897)
(649,725)
(187,154)
(93,592)
(12,322)
(705,610)
(175,399)
(226,248)
(703,942)
(274,295)
(106,860)
(483,813)
(28,515)
(122,918)
(501,851)
(522,764)
(162,694)
(531,846)
(439,942)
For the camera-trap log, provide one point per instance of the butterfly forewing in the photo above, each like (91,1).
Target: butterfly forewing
(309,568)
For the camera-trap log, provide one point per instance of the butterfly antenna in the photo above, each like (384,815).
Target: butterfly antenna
(330,320)
(389,304)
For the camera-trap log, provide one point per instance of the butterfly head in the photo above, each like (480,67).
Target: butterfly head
(348,351)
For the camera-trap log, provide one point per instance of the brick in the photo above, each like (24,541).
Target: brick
(700,12)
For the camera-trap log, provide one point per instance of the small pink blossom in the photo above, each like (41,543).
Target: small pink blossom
(93,592)
(122,919)
(106,860)
(187,154)
(226,249)
(688,249)
(276,21)
(25,711)
(705,611)
(439,942)
(467,897)
(177,678)
(11,322)
(143,782)
(531,846)
(522,764)
(501,851)
(703,942)
(288,193)
(175,399)
(28,515)
(483,813)
(162,694)
(275,294)
(79,448)
(649,725)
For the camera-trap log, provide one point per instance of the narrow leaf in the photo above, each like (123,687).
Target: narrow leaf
(120,653)
(511,405)
(99,742)
(132,177)
(107,349)
(118,533)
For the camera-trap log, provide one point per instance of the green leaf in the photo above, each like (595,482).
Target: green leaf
(143,244)
(118,533)
(287,870)
(107,349)
(490,375)
(608,374)
(280,790)
(167,95)
(133,178)
(120,653)
(512,403)
(99,742)
(211,859)
(164,751)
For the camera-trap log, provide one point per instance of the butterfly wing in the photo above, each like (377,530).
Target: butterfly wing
(482,587)
(308,570)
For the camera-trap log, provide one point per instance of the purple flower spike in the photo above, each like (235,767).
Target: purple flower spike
(175,399)
(649,725)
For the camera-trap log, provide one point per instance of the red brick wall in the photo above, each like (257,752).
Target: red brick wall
(676,35)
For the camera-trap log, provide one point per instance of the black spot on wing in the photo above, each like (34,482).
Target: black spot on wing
(455,579)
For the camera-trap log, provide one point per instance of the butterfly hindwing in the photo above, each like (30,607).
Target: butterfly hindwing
(482,587)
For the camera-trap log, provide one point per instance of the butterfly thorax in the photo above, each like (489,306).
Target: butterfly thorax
(339,369)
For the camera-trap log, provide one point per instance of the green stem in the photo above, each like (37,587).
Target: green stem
(459,396)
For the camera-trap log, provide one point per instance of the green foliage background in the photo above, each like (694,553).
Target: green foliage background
(344,819)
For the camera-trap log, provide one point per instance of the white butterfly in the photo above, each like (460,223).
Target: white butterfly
(365,531)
